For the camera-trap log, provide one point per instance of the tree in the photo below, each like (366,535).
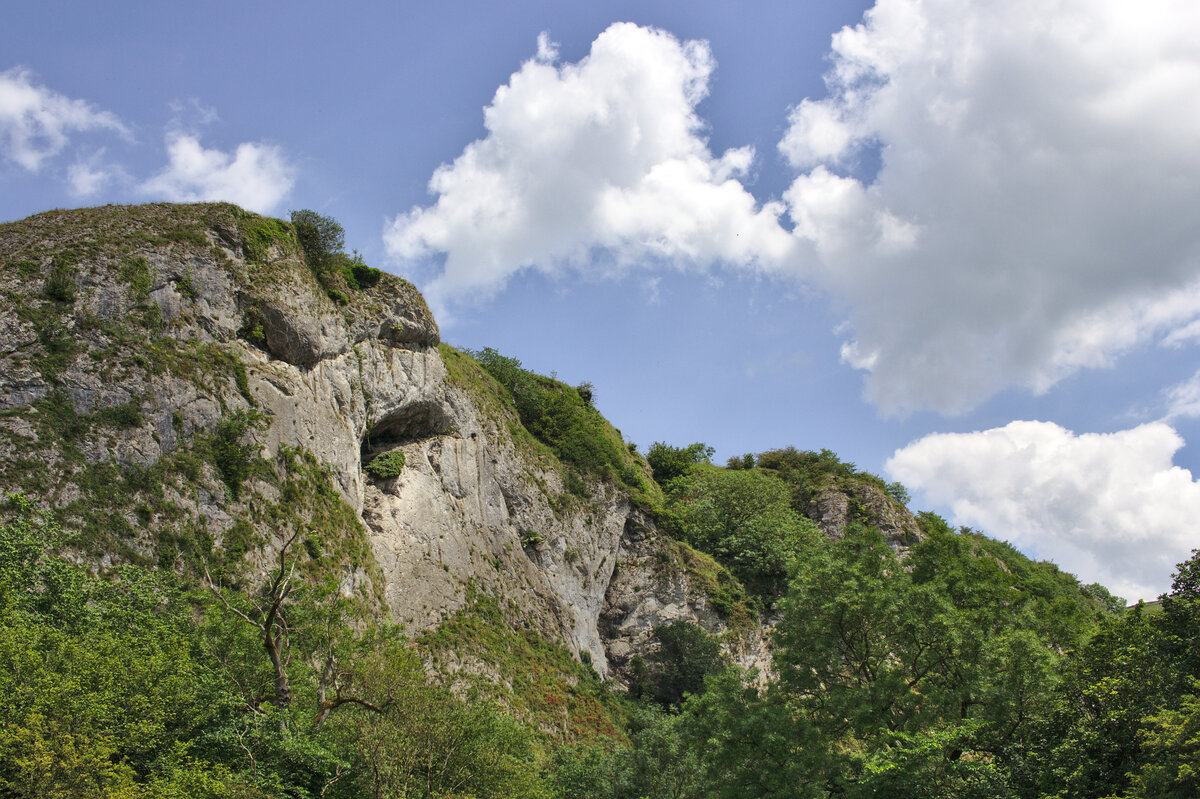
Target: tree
(686,654)
(745,520)
(670,462)
(320,236)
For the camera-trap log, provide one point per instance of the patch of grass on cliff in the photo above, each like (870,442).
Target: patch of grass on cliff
(724,591)
(260,234)
(539,680)
(136,274)
(113,231)
(562,417)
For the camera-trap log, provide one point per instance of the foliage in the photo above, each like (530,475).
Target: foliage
(539,680)
(531,538)
(322,238)
(60,286)
(686,654)
(931,679)
(744,519)
(807,473)
(670,462)
(234,457)
(260,234)
(556,414)
(386,465)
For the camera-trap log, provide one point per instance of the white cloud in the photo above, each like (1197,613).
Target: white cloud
(1034,213)
(1183,399)
(35,122)
(256,176)
(602,161)
(1110,508)
(88,176)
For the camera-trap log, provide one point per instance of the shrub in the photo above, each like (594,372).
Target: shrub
(60,286)
(233,459)
(670,462)
(387,465)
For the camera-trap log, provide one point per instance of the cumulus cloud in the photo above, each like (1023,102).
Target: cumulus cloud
(256,176)
(1110,508)
(1034,212)
(36,123)
(603,161)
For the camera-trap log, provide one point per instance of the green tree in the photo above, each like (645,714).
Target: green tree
(686,654)
(744,519)
(669,463)
(321,237)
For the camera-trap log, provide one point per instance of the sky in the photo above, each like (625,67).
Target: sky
(956,242)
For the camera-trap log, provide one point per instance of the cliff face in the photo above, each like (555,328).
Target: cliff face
(132,337)
(175,382)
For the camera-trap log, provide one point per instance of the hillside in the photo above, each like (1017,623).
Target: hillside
(248,457)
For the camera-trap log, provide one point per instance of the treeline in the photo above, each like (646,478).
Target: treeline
(963,670)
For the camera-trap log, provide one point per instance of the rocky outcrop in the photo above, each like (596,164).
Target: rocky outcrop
(659,581)
(837,505)
(166,322)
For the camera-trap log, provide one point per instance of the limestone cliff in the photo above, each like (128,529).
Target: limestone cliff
(133,336)
(176,381)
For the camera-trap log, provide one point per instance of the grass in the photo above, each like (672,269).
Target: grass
(552,423)
(539,680)
(725,593)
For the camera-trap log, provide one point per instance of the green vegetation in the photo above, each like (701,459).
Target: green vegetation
(246,653)
(234,457)
(686,654)
(726,594)
(670,463)
(539,681)
(807,473)
(386,466)
(322,239)
(141,684)
(60,286)
(260,234)
(745,521)
(555,414)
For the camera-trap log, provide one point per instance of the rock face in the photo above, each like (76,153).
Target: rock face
(660,581)
(836,506)
(175,381)
(174,320)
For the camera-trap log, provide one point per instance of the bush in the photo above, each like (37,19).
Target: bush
(60,286)
(233,459)
(670,462)
(320,236)
(387,465)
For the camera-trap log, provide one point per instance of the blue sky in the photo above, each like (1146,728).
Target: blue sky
(955,242)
